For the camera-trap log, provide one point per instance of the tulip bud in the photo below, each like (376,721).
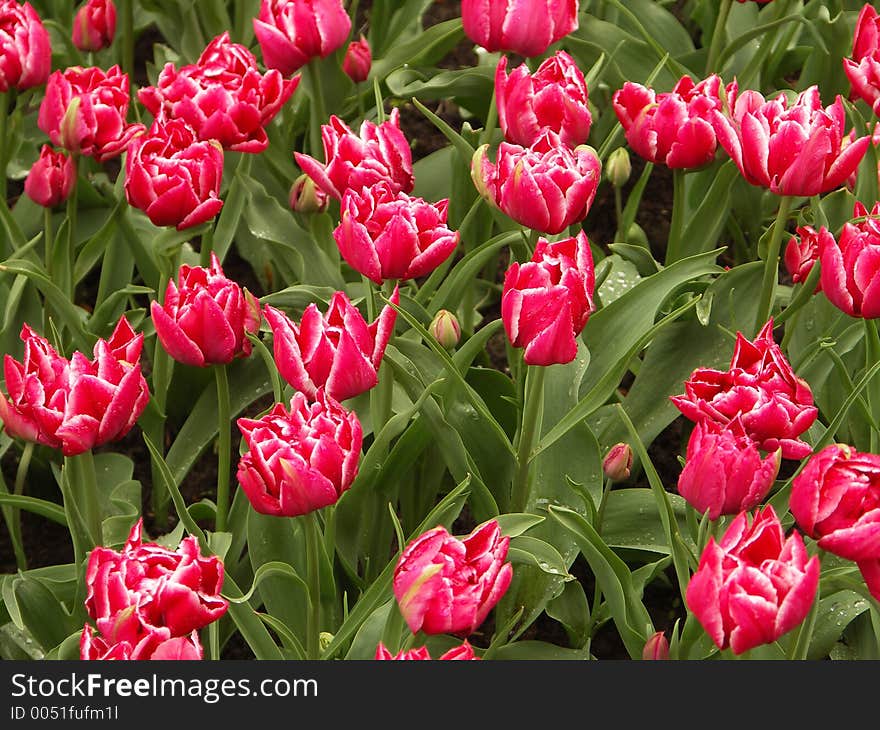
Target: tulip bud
(325,638)
(94,25)
(51,178)
(306,197)
(68,127)
(445,329)
(618,462)
(358,60)
(656,647)
(618,168)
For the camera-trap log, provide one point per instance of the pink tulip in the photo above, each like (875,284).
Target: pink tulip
(152,643)
(724,473)
(173,176)
(849,266)
(51,178)
(388,235)
(25,49)
(464,652)
(802,252)
(554,97)
(546,187)
(546,302)
(205,318)
(77,404)
(94,25)
(306,197)
(863,69)
(672,129)
(656,647)
(526,27)
(446,585)
(445,328)
(293,32)
(358,59)
(302,460)
(792,150)
(353,161)
(84,111)
(618,462)
(775,405)
(338,351)
(753,586)
(223,96)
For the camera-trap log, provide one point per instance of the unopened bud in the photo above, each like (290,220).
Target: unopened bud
(618,461)
(618,168)
(306,197)
(656,648)
(445,329)
(325,638)
(357,61)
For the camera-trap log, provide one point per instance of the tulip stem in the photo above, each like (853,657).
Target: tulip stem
(673,244)
(318,112)
(13,514)
(160,380)
(4,121)
(771,264)
(126,48)
(72,209)
(49,247)
(717,42)
(224,447)
(530,428)
(84,485)
(872,355)
(313,552)
(206,246)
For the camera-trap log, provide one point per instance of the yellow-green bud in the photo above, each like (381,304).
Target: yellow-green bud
(618,168)
(445,329)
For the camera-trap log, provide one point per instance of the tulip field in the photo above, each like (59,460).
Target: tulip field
(413,330)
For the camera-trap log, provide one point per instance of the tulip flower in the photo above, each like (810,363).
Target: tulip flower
(526,27)
(379,152)
(388,235)
(794,150)
(554,97)
(546,187)
(338,351)
(802,252)
(446,585)
(25,48)
(546,302)
(94,25)
(850,264)
(293,32)
(463,652)
(51,178)
(173,176)
(754,585)
(863,69)
(223,96)
(775,405)
(357,61)
(656,647)
(77,404)
(300,460)
(205,317)
(674,128)
(84,111)
(151,643)
(724,473)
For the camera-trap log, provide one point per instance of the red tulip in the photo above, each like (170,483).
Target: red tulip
(51,178)
(84,111)
(94,25)
(205,318)
(850,265)
(77,404)
(387,235)
(464,652)
(546,187)
(802,252)
(353,161)
(792,150)
(338,351)
(618,462)
(25,49)
(358,59)
(656,647)
(173,176)
(554,97)
(775,405)
(293,32)
(754,585)
(302,460)
(724,473)
(446,585)
(547,301)
(672,129)
(863,69)
(151,643)
(223,96)
(526,27)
